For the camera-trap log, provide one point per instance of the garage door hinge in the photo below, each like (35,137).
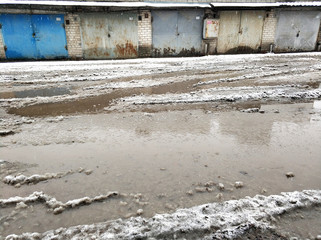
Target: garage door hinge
(0,26)
(66,47)
(5,48)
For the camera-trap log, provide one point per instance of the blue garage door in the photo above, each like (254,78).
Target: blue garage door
(17,34)
(34,36)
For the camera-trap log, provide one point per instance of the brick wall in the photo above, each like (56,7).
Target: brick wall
(269,29)
(72,24)
(145,33)
(2,52)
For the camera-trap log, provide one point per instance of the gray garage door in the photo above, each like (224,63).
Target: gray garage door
(240,31)
(109,35)
(177,33)
(297,31)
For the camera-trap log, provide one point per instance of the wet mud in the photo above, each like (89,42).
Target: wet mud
(96,103)
(158,157)
(172,160)
(296,224)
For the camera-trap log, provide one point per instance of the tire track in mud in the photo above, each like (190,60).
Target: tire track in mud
(188,84)
(94,104)
(207,71)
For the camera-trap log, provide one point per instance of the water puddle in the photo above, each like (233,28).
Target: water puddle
(46,92)
(160,161)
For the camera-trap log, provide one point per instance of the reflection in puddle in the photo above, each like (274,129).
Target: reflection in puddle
(46,92)
(170,159)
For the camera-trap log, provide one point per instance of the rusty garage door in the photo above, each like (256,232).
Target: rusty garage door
(177,33)
(297,31)
(240,31)
(109,35)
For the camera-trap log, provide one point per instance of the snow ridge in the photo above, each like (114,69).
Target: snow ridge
(209,95)
(22,179)
(52,203)
(224,220)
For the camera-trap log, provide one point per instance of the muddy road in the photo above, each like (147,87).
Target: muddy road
(93,141)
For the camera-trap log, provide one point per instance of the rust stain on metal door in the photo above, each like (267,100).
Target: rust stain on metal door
(110,35)
(125,50)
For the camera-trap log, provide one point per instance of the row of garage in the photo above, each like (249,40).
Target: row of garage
(174,32)
(241,31)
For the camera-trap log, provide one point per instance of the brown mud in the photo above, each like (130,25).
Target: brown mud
(158,157)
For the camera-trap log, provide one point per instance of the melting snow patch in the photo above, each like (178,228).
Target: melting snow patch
(227,220)
(52,203)
(252,76)
(6,133)
(22,179)
(211,95)
(250,110)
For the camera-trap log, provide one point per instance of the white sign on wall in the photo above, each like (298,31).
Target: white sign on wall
(211,28)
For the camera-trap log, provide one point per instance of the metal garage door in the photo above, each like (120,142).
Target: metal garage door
(110,35)
(240,31)
(297,31)
(50,36)
(33,36)
(177,33)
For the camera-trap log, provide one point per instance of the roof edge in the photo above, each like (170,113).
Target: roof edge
(263,5)
(106,4)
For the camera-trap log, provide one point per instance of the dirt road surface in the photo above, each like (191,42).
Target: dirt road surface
(217,147)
